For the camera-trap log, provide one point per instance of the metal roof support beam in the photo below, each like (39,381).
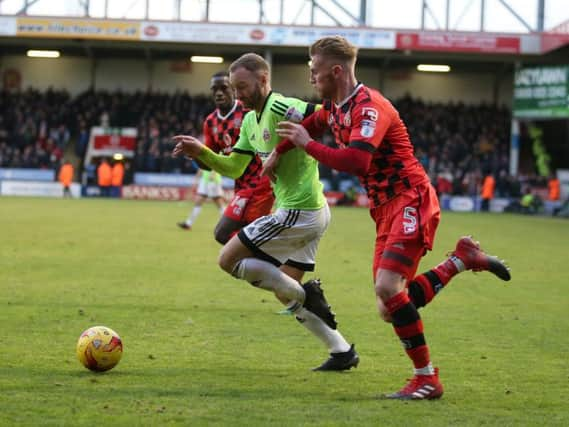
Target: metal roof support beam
(363,12)
(540,15)
(482,12)
(178,10)
(346,11)
(24,9)
(85,4)
(518,17)
(325,12)
(430,12)
(312,9)
(463,13)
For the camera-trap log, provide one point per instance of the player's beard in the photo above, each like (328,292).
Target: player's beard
(325,87)
(256,100)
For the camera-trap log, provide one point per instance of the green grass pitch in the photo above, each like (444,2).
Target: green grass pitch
(202,348)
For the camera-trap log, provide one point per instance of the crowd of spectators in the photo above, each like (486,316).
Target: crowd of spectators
(35,128)
(457,144)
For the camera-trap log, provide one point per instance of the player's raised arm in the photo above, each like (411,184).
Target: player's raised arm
(231,166)
(355,159)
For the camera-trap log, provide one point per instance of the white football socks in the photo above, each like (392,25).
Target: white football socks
(332,338)
(460,267)
(195,213)
(265,275)
(427,370)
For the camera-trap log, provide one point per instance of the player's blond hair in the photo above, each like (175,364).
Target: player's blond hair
(335,47)
(251,62)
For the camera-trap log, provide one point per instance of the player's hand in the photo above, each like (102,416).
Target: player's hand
(294,132)
(270,165)
(187,146)
(227,140)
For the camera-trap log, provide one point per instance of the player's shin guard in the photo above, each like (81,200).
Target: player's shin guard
(423,288)
(265,275)
(409,328)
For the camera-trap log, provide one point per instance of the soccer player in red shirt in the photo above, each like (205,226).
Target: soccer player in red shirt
(253,197)
(374,144)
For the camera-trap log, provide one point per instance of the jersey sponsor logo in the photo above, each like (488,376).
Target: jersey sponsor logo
(368,128)
(370,113)
(293,115)
(347,119)
(409,220)
(238,204)
(266,135)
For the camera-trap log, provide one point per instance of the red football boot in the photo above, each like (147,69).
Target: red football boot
(475,259)
(420,387)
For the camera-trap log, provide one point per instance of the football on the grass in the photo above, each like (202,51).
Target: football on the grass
(99,348)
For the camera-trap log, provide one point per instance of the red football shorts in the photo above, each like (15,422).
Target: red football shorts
(246,205)
(405,229)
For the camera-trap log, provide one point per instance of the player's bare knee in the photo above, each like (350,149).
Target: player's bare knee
(384,293)
(382,309)
(384,315)
(226,262)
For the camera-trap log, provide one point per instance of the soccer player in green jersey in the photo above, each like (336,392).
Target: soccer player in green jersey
(275,251)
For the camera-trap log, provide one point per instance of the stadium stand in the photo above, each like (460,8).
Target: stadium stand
(456,143)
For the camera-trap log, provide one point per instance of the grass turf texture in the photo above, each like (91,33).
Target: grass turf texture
(202,348)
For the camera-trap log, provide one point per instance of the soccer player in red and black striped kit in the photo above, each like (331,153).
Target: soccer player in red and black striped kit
(253,196)
(374,144)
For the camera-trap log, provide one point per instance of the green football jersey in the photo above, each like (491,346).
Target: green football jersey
(298,183)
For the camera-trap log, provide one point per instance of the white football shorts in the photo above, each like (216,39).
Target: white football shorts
(288,236)
(210,189)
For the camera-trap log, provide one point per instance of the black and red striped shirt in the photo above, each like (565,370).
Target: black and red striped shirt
(368,121)
(215,127)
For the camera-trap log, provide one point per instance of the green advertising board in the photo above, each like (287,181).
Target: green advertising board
(542,92)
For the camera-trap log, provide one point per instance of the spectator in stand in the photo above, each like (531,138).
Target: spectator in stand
(554,187)
(104,177)
(530,203)
(82,140)
(444,183)
(117,177)
(66,177)
(515,186)
(502,184)
(487,192)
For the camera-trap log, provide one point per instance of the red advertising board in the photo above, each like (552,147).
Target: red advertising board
(458,42)
(114,142)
